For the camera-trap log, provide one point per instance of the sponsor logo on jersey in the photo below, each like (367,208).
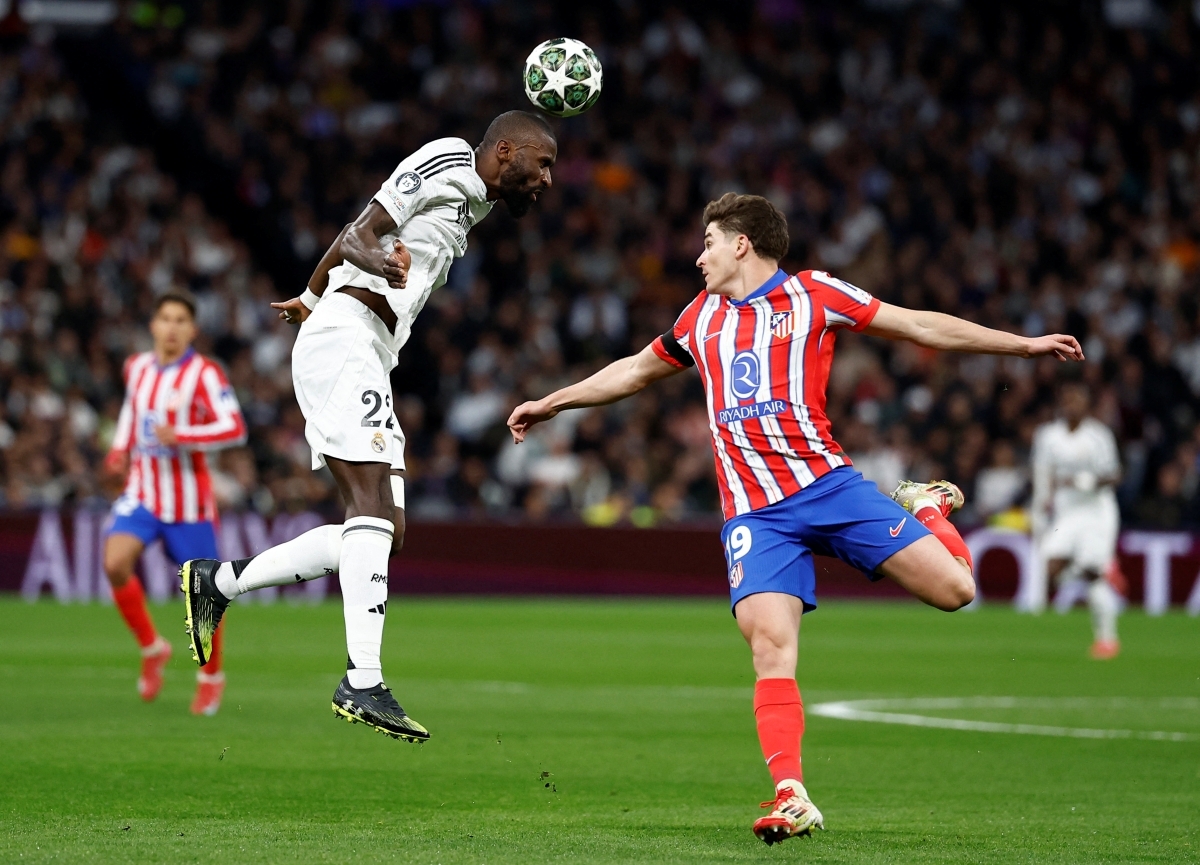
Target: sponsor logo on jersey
(749,412)
(735,575)
(744,375)
(408,182)
(781,324)
(394,197)
(377,443)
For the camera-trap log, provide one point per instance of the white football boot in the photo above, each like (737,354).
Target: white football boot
(792,814)
(943,495)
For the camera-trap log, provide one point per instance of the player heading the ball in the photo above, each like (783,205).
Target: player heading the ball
(762,342)
(356,314)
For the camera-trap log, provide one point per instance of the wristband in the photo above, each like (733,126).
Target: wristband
(310,299)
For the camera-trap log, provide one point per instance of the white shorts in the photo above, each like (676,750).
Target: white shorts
(340,369)
(1084,536)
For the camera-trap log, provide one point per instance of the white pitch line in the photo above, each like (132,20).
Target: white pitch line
(869,710)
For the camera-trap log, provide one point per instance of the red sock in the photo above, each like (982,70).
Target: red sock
(780,718)
(132,604)
(931,518)
(214,662)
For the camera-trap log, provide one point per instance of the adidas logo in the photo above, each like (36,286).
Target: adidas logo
(381,609)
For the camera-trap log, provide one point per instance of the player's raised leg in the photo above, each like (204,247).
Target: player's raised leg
(770,622)
(121,553)
(209,585)
(310,556)
(936,569)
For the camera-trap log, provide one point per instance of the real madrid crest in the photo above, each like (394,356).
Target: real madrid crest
(377,443)
(408,182)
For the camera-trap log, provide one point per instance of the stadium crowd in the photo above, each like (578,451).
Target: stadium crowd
(1019,170)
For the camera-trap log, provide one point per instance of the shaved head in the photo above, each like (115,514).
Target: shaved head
(517,127)
(515,158)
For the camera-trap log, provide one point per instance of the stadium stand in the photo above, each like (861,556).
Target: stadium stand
(1051,182)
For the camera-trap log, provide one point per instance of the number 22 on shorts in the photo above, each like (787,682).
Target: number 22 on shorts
(736,547)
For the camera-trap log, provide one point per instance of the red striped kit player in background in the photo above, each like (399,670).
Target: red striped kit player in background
(178,406)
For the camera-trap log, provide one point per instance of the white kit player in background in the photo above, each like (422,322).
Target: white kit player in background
(356,314)
(1076,467)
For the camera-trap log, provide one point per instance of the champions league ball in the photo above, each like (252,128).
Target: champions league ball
(563,77)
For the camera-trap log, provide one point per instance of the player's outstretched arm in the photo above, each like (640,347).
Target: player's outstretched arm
(616,381)
(947,333)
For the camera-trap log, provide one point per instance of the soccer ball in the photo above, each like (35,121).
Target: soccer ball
(563,77)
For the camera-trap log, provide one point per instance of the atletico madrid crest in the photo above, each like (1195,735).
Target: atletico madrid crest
(735,575)
(781,324)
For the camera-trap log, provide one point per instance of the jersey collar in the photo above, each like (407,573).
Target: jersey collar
(778,279)
(187,355)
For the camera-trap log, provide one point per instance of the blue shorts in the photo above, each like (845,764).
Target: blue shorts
(183,541)
(840,514)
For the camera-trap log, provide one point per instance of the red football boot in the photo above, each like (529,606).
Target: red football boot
(154,661)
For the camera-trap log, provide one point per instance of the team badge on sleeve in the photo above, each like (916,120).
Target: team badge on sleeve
(408,182)
(377,443)
(781,324)
(735,575)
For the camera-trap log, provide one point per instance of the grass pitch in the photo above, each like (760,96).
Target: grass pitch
(593,731)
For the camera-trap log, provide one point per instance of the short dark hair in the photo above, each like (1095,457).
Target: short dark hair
(754,216)
(518,127)
(176,295)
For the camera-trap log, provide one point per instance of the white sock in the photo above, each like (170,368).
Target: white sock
(366,544)
(315,553)
(1103,603)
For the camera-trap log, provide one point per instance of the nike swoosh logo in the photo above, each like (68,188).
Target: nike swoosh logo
(710,336)
(896,531)
(773,756)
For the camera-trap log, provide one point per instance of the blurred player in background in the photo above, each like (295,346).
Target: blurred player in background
(763,344)
(178,405)
(357,313)
(1076,468)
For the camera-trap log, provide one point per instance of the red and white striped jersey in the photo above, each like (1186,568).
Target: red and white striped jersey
(193,396)
(764,362)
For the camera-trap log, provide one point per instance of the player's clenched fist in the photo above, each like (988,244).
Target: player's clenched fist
(526,415)
(396,265)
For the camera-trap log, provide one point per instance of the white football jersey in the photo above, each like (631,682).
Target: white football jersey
(435,198)
(1060,454)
